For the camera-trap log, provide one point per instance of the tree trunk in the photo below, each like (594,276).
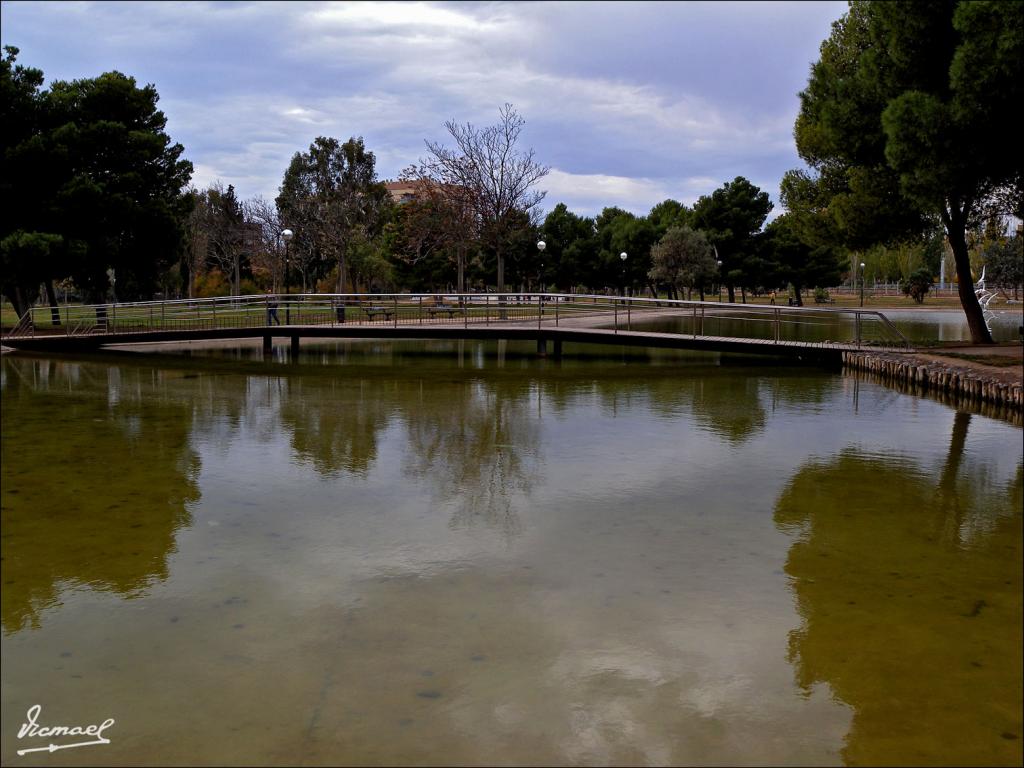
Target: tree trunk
(52,296)
(965,281)
(17,299)
(501,284)
(341,273)
(732,293)
(460,256)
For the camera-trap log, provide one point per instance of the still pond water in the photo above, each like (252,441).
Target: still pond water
(923,326)
(445,553)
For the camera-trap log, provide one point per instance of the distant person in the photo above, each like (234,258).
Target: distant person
(272,309)
(773,297)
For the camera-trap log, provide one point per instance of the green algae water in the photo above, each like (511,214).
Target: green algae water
(458,553)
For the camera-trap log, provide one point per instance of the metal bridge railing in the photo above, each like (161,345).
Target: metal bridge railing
(697,319)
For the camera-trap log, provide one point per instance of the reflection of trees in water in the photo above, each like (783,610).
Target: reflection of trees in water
(334,423)
(97,473)
(728,406)
(909,591)
(724,403)
(477,444)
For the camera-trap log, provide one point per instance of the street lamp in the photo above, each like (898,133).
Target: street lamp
(541,245)
(862,283)
(286,235)
(623,256)
(719,263)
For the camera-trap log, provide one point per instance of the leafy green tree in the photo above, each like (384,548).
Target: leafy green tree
(667,214)
(910,112)
(92,181)
(28,242)
(617,232)
(1004,264)
(330,198)
(571,248)
(796,262)
(120,181)
(731,217)
(683,258)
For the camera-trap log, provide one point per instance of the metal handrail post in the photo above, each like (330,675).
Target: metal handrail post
(777,322)
(540,309)
(615,306)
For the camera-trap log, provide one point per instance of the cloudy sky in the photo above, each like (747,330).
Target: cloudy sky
(628,103)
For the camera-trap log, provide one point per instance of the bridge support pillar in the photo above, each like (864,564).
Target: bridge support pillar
(557,349)
(295,348)
(542,347)
(268,345)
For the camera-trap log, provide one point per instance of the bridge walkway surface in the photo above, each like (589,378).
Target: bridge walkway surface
(803,333)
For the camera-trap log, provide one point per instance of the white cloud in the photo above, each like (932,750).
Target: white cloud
(376,15)
(608,103)
(589,193)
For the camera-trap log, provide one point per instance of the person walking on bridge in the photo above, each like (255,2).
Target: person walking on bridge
(272,309)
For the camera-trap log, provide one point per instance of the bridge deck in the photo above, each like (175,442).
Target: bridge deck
(525,331)
(539,317)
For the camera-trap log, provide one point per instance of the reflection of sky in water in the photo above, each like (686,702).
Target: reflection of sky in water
(951,325)
(575,563)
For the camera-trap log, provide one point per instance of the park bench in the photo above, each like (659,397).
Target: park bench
(372,312)
(450,309)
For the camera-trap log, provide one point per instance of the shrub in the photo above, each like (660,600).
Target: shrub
(918,284)
(212,283)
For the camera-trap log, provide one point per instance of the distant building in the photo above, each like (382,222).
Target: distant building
(402,191)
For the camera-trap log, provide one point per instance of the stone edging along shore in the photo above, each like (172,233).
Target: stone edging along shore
(981,384)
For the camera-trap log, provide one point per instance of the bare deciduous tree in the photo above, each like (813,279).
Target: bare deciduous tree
(497,178)
(197,242)
(267,257)
(226,232)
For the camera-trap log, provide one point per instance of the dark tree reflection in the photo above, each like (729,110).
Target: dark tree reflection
(72,516)
(908,585)
(476,445)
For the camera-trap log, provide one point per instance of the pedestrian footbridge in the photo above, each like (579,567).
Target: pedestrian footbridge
(805,333)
